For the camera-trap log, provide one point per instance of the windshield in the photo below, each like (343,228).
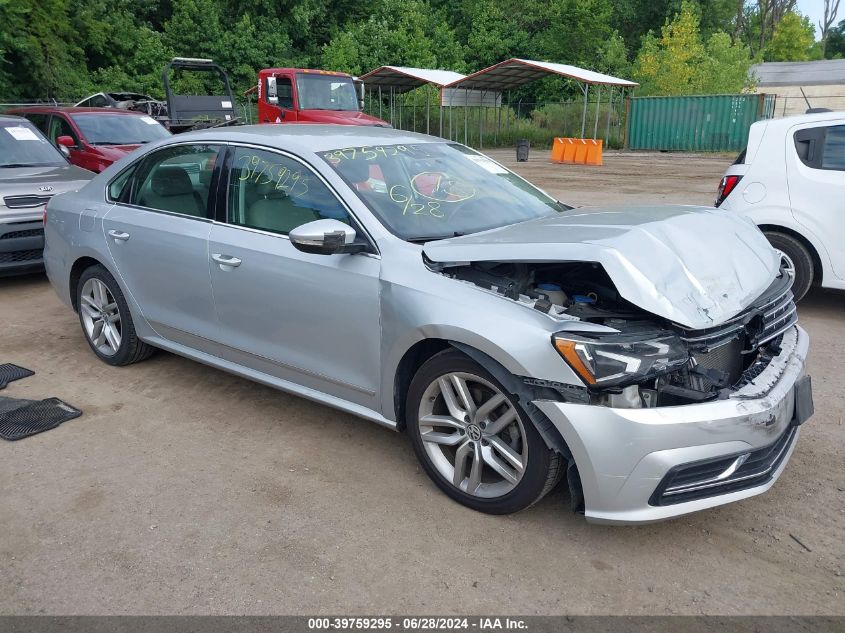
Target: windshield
(21,145)
(437,190)
(326,92)
(119,129)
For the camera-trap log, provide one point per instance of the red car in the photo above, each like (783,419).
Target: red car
(93,138)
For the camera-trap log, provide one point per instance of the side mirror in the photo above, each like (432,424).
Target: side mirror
(272,91)
(65,143)
(324,237)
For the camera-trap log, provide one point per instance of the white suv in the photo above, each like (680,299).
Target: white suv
(790,181)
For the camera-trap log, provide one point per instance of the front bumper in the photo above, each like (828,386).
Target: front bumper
(21,246)
(624,455)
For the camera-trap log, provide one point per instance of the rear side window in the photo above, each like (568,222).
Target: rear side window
(175,179)
(833,155)
(40,121)
(822,147)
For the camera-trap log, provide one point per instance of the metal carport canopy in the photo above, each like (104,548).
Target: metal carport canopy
(516,72)
(403,79)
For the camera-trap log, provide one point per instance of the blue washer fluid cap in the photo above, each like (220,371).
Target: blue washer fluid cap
(546,286)
(582,299)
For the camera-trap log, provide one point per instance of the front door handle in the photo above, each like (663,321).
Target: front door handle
(226,260)
(120,236)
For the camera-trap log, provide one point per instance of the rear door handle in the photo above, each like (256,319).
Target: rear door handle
(226,260)
(120,236)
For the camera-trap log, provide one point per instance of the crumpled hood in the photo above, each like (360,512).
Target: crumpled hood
(696,266)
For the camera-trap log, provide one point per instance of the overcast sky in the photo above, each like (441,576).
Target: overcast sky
(815,9)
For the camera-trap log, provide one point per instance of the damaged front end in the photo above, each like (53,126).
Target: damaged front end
(625,356)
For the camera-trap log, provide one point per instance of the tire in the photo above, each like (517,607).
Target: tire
(105,319)
(801,259)
(499,433)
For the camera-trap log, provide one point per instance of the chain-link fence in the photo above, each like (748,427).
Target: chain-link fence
(503,125)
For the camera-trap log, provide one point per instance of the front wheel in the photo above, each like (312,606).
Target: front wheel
(474,440)
(799,260)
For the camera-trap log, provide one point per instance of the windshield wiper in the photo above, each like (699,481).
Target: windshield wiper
(23,165)
(434,238)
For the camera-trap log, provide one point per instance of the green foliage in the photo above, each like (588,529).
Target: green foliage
(792,40)
(65,49)
(681,62)
(835,48)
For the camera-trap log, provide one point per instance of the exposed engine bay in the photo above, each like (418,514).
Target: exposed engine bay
(640,359)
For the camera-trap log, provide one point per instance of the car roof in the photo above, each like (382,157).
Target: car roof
(798,119)
(75,110)
(308,138)
(11,117)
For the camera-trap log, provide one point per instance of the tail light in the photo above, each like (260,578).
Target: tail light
(727,185)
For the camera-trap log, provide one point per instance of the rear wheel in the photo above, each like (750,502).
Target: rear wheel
(105,319)
(799,260)
(474,440)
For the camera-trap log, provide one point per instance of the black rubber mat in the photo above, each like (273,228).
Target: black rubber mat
(10,372)
(22,418)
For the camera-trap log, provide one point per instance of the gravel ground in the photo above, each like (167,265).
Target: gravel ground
(184,490)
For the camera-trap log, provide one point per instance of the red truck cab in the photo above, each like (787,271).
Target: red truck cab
(93,138)
(288,95)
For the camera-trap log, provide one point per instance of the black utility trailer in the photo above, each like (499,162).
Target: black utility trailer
(196,112)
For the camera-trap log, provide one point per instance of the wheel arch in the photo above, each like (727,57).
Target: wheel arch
(818,267)
(80,266)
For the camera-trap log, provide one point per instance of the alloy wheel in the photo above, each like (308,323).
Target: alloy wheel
(100,317)
(473,435)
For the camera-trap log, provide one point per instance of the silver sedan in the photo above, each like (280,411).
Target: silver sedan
(649,356)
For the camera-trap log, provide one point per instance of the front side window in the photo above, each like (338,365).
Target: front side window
(833,155)
(435,190)
(119,129)
(176,179)
(326,92)
(271,192)
(60,127)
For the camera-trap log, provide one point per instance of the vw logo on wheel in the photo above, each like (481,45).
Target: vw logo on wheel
(45,188)
(474,432)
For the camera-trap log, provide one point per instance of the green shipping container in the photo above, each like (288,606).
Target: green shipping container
(711,123)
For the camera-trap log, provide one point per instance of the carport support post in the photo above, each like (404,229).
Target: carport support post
(379,102)
(609,113)
(428,111)
(481,121)
(586,91)
(466,115)
(598,105)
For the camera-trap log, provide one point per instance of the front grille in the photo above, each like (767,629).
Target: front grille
(767,318)
(25,202)
(25,233)
(20,256)
(708,478)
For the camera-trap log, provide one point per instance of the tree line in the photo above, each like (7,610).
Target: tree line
(65,49)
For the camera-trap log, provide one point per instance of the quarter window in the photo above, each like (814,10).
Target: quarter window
(176,179)
(833,155)
(271,192)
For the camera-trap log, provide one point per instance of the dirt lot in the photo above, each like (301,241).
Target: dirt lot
(186,490)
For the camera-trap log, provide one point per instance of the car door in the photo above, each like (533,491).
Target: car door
(816,180)
(311,319)
(157,233)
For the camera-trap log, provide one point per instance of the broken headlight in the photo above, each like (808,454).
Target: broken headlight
(619,359)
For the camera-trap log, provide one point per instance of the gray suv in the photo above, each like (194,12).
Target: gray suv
(649,356)
(31,172)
